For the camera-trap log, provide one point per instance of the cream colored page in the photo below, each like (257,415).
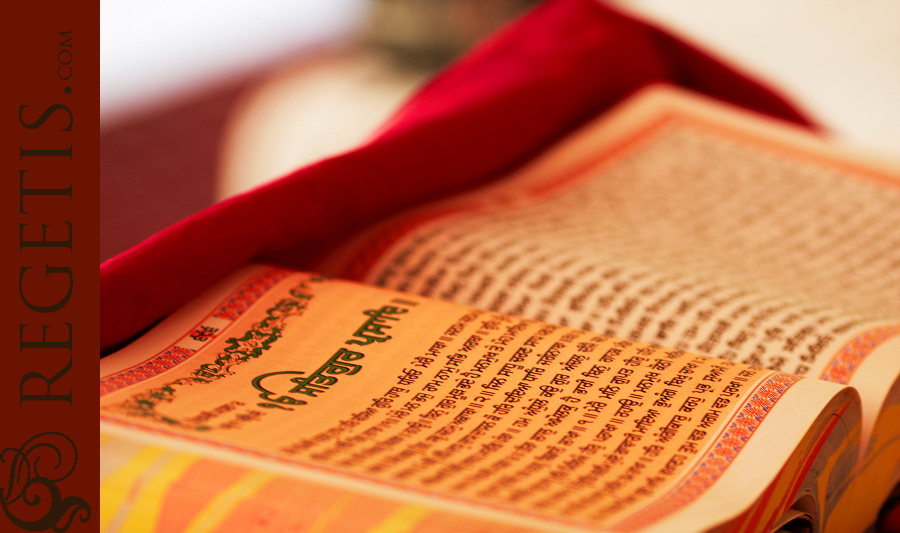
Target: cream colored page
(477,408)
(683,232)
(879,473)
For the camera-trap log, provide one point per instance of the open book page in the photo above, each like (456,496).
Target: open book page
(477,413)
(680,222)
(879,471)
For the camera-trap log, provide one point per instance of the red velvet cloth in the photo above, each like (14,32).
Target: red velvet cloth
(513,95)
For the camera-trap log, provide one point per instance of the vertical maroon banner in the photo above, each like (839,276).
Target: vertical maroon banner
(49,272)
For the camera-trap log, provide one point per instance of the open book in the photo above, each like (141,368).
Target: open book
(682,317)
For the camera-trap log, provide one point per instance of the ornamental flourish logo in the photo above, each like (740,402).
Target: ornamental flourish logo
(31,499)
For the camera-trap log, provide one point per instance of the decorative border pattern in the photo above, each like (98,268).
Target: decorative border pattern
(239,350)
(229,309)
(724,451)
(147,369)
(251,291)
(841,368)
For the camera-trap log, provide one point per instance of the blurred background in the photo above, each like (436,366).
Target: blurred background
(201,100)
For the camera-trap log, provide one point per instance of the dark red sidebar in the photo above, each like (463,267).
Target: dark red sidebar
(49,276)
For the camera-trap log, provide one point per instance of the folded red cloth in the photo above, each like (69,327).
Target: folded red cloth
(513,95)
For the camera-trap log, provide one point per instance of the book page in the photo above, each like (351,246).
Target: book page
(879,472)
(673,222)
(476,411)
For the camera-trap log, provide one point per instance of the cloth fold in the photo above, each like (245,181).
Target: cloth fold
(513,95)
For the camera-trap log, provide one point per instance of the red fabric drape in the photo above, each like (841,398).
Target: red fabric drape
(516,93)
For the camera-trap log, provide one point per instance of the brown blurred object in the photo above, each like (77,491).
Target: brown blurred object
(430,33)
